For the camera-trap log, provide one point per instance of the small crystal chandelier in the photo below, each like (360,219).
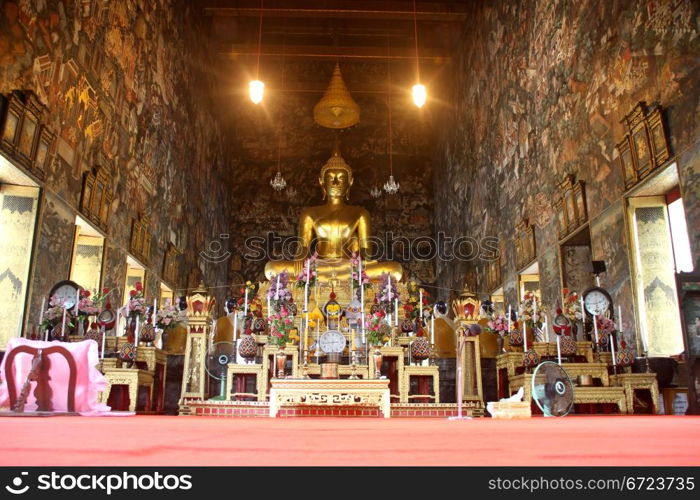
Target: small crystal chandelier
(375,192)
(391,186)
(278,183)
(291,192)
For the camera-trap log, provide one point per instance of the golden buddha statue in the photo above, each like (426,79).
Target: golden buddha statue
(338,229)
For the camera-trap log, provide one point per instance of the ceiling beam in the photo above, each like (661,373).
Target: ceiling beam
(387,10)
(235,51)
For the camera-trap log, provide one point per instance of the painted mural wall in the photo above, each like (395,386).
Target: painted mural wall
(127,87)
(540,91)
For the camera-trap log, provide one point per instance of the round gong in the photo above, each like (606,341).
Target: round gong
(329,370)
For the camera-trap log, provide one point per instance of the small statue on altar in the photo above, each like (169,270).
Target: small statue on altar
(337,230)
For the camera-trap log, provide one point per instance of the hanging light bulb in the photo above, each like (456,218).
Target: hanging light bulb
(256,90)
(418,91)
(419,94)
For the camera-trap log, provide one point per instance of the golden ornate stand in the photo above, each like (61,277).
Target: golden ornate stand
(325,392)
(133,378)
(632,381)
(426,371)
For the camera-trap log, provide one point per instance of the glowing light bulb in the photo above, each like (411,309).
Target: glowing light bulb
(256,90)
(419,94)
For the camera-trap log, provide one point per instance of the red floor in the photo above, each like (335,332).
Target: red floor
(165,440)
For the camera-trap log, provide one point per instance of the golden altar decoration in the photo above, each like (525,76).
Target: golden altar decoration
(256,369)
(131,377)
(194,382)
(632,381)
(330,392)
(420,371)
(336,109)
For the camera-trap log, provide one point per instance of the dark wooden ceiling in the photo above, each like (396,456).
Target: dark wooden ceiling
(377,32)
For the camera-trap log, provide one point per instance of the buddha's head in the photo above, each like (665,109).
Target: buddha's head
(336,178)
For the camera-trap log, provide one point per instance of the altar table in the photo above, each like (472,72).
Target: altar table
(330,392)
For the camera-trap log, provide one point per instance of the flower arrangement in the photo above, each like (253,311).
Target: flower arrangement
(301,277)
(606,326)
(169,316)
(252,296)
(498,325)
(411,306)
(526,311)
(278,288)
(572,305)
(281,325)
(137,303)
(54,314)
(356,279)
(373,328)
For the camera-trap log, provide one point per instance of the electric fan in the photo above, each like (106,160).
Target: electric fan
(552,389)
(220,354)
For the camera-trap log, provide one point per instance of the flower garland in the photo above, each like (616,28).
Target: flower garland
(572,305)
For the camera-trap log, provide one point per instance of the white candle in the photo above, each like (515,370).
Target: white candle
(583,318)
(306,287)
(595,327)
(558,349)
(524,337)
(362,297)
(534,315)
(277,291)
(546,329)
(420,302)
(509,318)
(77,299)
(235,325)
(102,355)
(63,324)
(396,312)
(153,318)
(432,329)
(41,311)
(136,332)
(619,318)
(612,349)
(245,303)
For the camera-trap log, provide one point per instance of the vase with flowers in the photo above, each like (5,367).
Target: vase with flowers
(58,319)
(134,310)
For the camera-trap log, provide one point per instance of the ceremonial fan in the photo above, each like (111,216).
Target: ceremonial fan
(552,389)
(220,354)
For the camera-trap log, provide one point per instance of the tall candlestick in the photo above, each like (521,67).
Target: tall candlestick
(137,335)
(534,315)
(41,311)
(524,337)
(63,323)
(318,339)
(277,291)
(546,329)
(245,304)
(235,325)
(77,299)
(612,349)
(583,317)
(509,320)
(558,349)
(595,328)
(420,302)
(432,329)
(155,308)
(619,318)
(306,286)
(102,350)
(396,312)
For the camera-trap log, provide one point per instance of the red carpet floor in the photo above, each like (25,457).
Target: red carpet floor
(165,440)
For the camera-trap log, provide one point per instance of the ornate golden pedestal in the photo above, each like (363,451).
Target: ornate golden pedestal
(423,371)
(632,381)
(133,378)
(252,369)
(325,392)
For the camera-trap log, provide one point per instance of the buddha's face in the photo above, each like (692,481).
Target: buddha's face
(336,182)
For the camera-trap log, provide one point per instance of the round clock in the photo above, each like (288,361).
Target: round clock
(597,301)
(65,291)
(332,342)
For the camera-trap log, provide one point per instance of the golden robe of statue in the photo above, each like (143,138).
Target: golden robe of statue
(339,230)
